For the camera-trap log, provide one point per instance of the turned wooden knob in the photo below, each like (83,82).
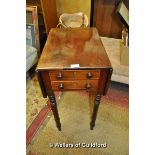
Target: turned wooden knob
(89,75)
(59,76)
(88,86)
(61,86)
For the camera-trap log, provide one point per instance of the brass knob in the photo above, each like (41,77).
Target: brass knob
(88,86)
(61,86)
(89,75)
(59,76)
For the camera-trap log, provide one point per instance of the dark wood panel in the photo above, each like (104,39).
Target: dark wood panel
(41,83)
(105,18)
(49,14)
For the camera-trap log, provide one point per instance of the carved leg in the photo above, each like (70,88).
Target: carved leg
(95,109)
(55,111)
(91,103)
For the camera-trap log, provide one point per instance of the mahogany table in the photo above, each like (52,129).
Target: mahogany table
(74,59)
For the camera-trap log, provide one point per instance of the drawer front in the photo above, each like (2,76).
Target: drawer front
(62,75)
(75,85)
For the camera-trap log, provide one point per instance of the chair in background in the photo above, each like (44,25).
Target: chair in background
(32,37)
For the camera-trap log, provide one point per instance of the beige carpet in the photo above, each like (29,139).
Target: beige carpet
(113,49)
(111,128)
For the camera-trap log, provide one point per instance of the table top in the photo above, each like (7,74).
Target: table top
(67,48)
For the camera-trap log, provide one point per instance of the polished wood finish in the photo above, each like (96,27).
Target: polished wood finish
(92,72)
(49,13)
(73,46)
(75,85)
(74,74)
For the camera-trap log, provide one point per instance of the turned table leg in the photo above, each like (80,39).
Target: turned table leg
(55,111)
(95,110)
(91,103)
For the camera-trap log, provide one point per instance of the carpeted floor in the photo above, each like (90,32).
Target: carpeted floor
(34,100)
(111,125)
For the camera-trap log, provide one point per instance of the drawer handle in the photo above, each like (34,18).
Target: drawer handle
(61,86)
(89,75)
(88,86)
(59,76)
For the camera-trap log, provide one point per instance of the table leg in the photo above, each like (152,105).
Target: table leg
(95,110)
(91,103)
(55,111)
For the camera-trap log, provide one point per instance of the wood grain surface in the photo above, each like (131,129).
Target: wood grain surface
(74,74)
(75,85)
(50,14)
(65,47)
(105,18)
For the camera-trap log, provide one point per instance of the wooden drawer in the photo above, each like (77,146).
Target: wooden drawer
(75,85)
(62,75)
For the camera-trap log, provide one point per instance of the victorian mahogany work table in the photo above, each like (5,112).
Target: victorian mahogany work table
(74,59)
